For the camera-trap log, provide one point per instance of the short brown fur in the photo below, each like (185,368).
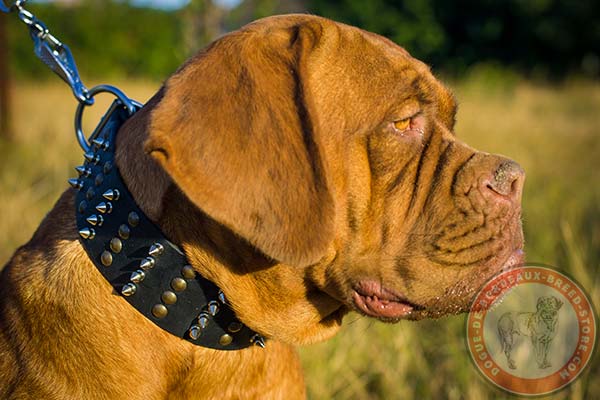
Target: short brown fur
(270,159)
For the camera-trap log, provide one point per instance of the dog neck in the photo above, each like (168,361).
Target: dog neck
(121,240)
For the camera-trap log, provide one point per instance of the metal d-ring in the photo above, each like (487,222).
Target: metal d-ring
(131,105)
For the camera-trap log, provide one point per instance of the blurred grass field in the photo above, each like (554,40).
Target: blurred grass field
(552,130)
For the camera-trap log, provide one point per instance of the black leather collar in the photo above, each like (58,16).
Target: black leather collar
(149,271)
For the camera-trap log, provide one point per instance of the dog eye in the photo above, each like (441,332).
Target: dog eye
(412,127)
(403,124)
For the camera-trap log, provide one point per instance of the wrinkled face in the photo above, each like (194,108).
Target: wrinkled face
(330,179)
(427,218)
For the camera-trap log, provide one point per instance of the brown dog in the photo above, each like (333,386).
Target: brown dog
(306,167)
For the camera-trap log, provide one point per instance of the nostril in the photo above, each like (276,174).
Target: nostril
(516,185)
(507,179)
(501,186)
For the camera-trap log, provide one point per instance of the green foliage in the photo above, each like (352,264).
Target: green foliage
(547,38)
(541,38)
(411,23)
(106,38)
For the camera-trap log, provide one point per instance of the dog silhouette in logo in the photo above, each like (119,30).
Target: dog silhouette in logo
(540,326)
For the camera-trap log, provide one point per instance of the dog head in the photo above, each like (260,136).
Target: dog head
(317,170)
(548,307)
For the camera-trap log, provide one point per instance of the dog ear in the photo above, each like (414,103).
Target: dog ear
(558,303)
(236,131)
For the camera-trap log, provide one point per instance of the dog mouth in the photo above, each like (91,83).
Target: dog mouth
(374,300)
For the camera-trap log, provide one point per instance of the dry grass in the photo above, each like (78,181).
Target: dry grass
(554,132)
(35,165)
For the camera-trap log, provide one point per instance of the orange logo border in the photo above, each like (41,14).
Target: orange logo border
(492,291)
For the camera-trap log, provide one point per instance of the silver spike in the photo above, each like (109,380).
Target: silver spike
(87,233)
(137,276)
(91,157)
(195,332)
(128,289)
(213,308)
(75,183)
(203,320)
(258,340)
(101,143)
(111,194)
(84,171)
(95,220)
(104,208)
(147,263)
(156,249)
(222,297)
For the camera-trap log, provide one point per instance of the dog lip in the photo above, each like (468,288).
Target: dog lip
(374,300)
(379,308)
(372,288)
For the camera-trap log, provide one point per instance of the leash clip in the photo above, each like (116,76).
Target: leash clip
(50,50)
(59,58)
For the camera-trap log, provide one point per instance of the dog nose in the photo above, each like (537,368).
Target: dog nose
(506,181)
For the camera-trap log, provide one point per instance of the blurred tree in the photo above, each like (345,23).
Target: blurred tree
(410,23)
(249,10)
(107,38)
(543,37)
(203,22)
(538,37)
